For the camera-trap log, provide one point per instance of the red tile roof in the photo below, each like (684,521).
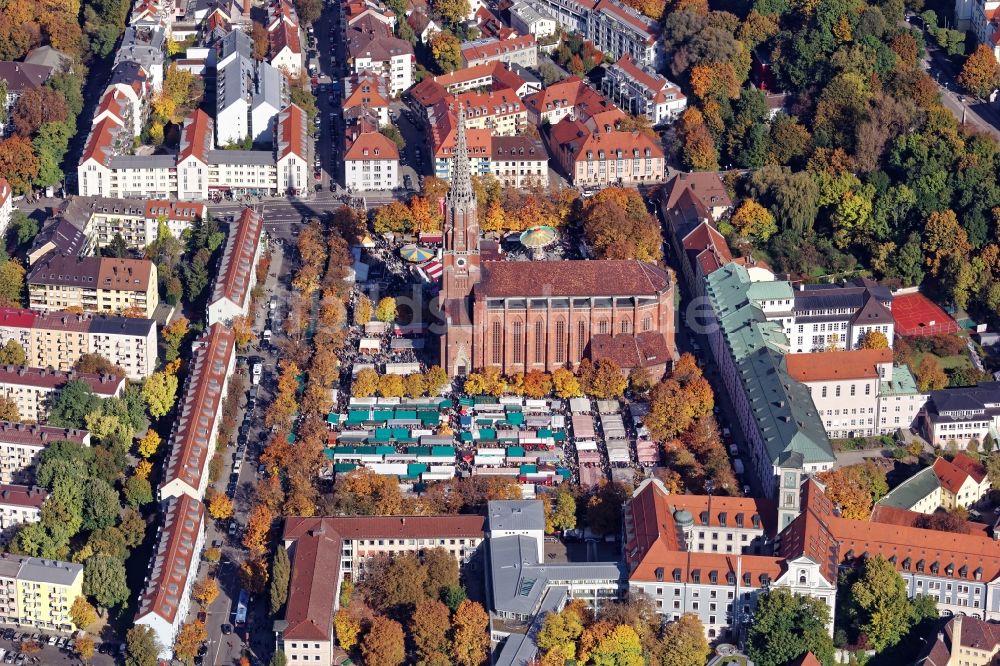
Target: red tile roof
(282,36)
(406,527)
(836,365)
(32,496)
(371,146)
(100,143)
(313,587)
(236,269)
(292,132)
(185,211)
(104,386)
(17,317)
(971,467)
(366,89)
(38,436)
(499,47)
(190,439)
(808,659)
(571,92)
(196,137)
(951,476)
(580,144)
(706,186)
(643,350)
(176,551)
(627,277)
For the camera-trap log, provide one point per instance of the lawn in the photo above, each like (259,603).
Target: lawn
(947,362)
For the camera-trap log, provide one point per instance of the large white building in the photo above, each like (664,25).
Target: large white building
(192,440)
(371,160)
(19,505)
(963,414)
(166,599)
(292,151)
(642,92)
(21,444)
(237,273)
(614,28)
(137,221)
(859,393)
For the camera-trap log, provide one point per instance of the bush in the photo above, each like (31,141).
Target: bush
(213,554)
(899,453)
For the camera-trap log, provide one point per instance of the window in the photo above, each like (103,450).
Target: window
(518,343)
(560,342)
(581,334)
(647,323)
(497,331)
(602,327)
(624,326)
(538,341)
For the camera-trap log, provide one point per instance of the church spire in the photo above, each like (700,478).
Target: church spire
(461,174)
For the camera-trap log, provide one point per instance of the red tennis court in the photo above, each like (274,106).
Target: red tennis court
(917,315)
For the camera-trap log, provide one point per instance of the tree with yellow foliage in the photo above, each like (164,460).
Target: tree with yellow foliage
(149,444)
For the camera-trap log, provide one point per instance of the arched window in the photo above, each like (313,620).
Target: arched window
(560,341)
(518,343)
(625,325)
(539,341)
(581,341)
(497,346)
(647,324)
(602,327)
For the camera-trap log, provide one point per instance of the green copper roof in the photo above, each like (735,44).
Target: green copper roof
(909,492)
(902,382)
(783,408)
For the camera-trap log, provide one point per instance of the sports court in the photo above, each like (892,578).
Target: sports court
(917,315)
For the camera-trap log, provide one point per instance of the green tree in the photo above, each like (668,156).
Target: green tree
(101,505)
(12,353)
(442,572)
(23,229)
(280,578)
(279,659)
(879,603)
(560,633)
(562,515)
(141,648)
(452,11)
(137,491)
(71,406)
(104,580)
(621,647)
(786,626)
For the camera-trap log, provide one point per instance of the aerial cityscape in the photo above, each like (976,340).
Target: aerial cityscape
(500,332)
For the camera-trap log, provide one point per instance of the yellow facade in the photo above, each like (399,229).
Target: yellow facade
(46,603)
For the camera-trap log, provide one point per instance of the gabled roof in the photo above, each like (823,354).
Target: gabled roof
(494,48)
(641,350)
(100,143)
(837,365)
(973,468)
(284,35)
(706,186)
(196,137)
(313,585)
(22,76)
(371,146)
(292,135)
(626,277)
(236,268)
(952,477)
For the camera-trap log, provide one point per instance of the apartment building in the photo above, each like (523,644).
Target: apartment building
(835,316)
(285,48)
(605,156)
(58,339)
(527,18)
(500,111)
(38,593)
(371,160)
(964,640)
(6,206)
(93,284)
(985,22)
(237,273)
(371,46)
(366,93)
(33,389)
(20,77)
(19,505)
(136,221)
(519,161)
(521,50)
(618,30)
(166,598)
(249,95)
(859,393)
(962,414)
(293,150)
(21,444)
(570,98)
(642,92)
(192,439)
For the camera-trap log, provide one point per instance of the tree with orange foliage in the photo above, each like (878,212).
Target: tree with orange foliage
(715,80)
(18,163)
(254,575)
(242,330)
(255,537)
(383,644)
(423,217)
(699,150)
(470,636)
(220,506)
(284,405)
(855,488)
(537,384)
(189,640)
(205,592)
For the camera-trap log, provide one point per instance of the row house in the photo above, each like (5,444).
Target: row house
(21,445)
(173,569)
(520,50)
(104,285)
(195,431)
(19,505)
(58,339)
(859,393)
(39,593)
(326,551)
(606,156)
(284,38)
(518,161)
(33,390)
(237,274)
(642,92)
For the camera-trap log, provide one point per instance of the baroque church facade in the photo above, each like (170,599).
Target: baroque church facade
(542,315)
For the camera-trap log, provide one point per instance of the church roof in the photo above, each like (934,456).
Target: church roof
(628,277)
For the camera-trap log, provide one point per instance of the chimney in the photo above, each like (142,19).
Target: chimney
(956,637)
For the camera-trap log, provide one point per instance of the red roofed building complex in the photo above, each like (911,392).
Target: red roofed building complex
(325,551)
(500,111)
(643,93)
(605,155)
(192,440)
(522,316)
(521,50)
(366,93)
(104,285)
(963,641)
(714,556)
(237,273)
(569,98)
(371,160)
(164,604)
(372,46)
(963,481)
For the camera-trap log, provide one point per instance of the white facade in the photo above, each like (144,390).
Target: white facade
(398,70)
(528,19)
(6,206)
(643,93)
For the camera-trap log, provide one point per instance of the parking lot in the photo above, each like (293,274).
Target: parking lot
(22,648)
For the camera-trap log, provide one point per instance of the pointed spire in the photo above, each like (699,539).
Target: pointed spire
(461,173)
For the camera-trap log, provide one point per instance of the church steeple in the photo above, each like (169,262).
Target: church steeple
(461,227)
